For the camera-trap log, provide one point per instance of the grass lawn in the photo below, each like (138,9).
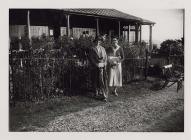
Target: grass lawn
(136,109)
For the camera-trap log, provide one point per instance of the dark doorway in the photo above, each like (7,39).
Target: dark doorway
(56,30)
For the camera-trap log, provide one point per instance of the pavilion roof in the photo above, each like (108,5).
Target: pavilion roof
(109,13)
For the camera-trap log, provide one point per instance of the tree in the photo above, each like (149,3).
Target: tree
(172,47)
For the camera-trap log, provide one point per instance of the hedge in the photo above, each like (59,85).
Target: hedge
(49,68)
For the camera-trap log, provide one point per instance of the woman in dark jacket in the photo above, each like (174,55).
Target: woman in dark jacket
(98,61)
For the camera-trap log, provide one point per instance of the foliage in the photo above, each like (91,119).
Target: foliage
(46,70)
(19,43)
(39,76)
(42,42)
(171,47)
(47,67)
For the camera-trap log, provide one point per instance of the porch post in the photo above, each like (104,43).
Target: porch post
(97,27)
(136,33)
(28,26)
(68,25)
(128,38)
(140,33)
(119,24)
(150,38)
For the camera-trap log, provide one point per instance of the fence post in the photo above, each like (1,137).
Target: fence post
(41,77)
(11,79)
(146,64)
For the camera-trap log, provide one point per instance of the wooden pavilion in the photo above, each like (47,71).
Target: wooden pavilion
(77,22)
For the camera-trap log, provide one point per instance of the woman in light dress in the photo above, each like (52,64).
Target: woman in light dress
(115,58)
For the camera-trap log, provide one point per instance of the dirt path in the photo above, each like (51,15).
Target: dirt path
(149,112)
(136,109)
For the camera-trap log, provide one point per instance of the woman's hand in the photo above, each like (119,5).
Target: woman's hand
(114,64)
(119,59)
(101,65)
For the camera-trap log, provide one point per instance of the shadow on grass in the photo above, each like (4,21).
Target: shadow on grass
(173,123)
(39,114)
(28,117)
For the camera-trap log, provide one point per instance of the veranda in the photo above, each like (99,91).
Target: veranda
(50,63)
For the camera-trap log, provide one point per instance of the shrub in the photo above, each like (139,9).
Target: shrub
(19,43)
(171,47)
(53,65)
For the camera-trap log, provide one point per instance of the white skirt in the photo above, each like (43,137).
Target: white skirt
(115,76)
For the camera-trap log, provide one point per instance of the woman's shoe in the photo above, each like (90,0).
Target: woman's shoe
(96,93)
(115,93)
(105,99)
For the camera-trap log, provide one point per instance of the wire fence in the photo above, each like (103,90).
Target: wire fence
(37,77)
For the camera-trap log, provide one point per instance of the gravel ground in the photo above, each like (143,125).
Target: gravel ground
(136,109)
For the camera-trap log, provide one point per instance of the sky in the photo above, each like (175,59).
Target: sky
(169,23)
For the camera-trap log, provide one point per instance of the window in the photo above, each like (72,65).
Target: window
(51,31)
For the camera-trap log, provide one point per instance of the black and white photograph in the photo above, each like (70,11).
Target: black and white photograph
(96,70)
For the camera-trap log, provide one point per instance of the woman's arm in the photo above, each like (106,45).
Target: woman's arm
(105,56)
(121,54)
(92,58)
